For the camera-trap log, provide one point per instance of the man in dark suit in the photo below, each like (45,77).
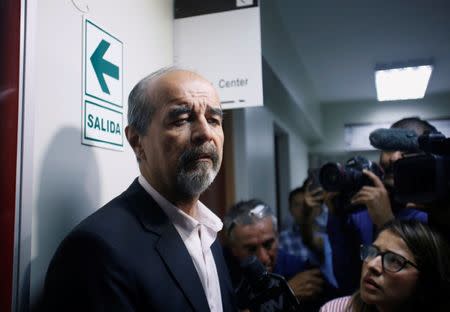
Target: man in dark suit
(154,247)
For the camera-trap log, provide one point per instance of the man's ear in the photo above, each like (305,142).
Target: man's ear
(134,139)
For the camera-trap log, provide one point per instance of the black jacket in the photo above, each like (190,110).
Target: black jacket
(128,256)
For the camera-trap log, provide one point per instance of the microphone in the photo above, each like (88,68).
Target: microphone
(394,139)
(264,291)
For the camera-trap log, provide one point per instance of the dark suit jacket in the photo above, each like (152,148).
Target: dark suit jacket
(128,256)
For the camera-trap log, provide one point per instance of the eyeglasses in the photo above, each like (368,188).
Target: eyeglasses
(390,261)
(258,212)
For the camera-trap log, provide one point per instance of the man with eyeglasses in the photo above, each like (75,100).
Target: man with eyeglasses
(251,229)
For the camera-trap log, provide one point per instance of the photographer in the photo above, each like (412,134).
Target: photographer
(422,180)
(349,229)
(307,238)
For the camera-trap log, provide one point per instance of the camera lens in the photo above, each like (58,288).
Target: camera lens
(332,176)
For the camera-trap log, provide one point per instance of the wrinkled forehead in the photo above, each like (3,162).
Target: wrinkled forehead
(257,229)
(182,87)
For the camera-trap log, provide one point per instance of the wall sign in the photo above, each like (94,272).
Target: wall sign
(102,124)
(102,106)
(222,41)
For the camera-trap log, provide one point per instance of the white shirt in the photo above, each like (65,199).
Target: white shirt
(198,235)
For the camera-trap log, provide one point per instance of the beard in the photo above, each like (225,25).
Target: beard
(388,173)
(193,176)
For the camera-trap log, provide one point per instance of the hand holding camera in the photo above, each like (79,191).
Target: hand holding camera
(307,285)
(375,198)
(347,180)
(313,200)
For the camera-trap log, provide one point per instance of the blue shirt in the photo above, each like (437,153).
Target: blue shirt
(366,230)
(297,257)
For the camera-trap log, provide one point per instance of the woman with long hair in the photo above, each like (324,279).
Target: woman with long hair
(407,268)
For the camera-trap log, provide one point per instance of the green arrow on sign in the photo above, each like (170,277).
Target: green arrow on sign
(102,66)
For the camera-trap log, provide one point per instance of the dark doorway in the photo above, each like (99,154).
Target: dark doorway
(282,174)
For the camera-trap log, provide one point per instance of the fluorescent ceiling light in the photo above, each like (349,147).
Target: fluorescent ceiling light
(403,83)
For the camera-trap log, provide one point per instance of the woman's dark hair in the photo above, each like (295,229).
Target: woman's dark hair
(431,253)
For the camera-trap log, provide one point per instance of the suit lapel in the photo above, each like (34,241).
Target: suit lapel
(226,289)
(170,246)
(174,253)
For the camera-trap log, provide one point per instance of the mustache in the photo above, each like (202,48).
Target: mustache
(192,154)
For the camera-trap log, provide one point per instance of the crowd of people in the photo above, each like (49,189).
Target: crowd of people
(155,247)
(373,254)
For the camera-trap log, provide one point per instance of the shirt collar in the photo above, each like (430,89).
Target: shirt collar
(184,222)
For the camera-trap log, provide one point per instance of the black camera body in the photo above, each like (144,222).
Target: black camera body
(263,291)
(350,178)
(424,177)
(347,179)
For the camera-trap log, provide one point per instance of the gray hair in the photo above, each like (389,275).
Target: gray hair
(142,102)
(248,212)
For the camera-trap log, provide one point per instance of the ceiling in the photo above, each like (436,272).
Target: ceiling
(339,43)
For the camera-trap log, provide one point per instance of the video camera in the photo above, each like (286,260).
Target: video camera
(347,179)
(263,291)
(424,177)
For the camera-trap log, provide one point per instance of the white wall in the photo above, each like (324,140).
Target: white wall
(290,101)
(279,53)
(254,154)
(253,135)
(292,119)
(64,181)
